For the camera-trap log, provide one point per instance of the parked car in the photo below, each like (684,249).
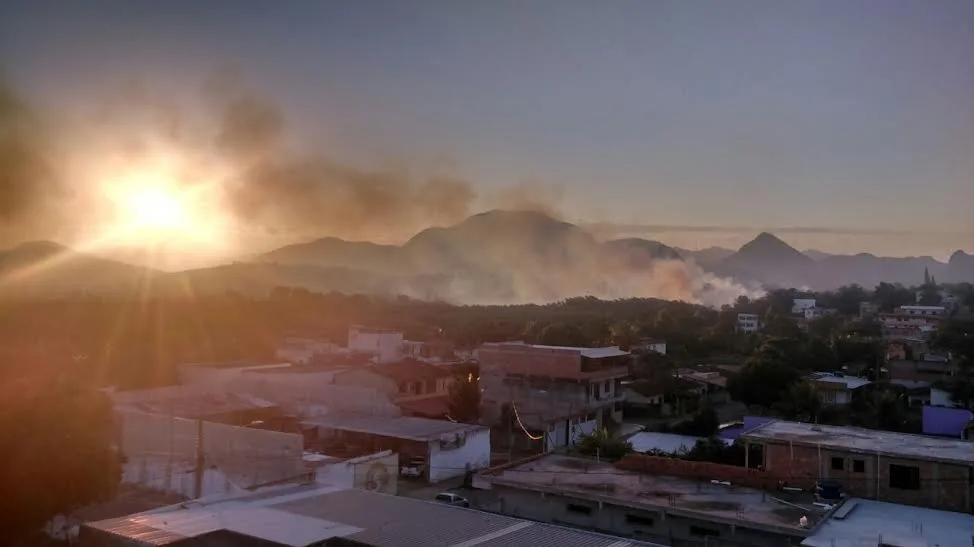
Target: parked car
(413,468)
(452,499)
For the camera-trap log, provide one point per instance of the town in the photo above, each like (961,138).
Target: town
(792,419)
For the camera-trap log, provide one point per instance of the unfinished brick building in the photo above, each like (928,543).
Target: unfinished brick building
(896,467)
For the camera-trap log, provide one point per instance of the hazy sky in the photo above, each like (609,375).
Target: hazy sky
(857,116)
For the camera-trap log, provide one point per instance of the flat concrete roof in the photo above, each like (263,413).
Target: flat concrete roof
(865,441)
(414,429)
(587,479)
(300,516)
(866,522)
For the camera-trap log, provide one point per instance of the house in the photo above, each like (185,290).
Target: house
(676,502)
(947,422)
(646,345)
(449,449)
(200,403)
(748,322)
(301,351)
(858,522)
(220,372)
(384,345)
(557,393)
(662,397)
(329,516)
(836,388)
(799,305)
(868,309)
(929,368)
(882,465)
(417,388)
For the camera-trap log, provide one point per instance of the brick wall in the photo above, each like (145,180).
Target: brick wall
(674,467)
(942,485)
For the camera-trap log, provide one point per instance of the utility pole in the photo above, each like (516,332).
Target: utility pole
(200,461)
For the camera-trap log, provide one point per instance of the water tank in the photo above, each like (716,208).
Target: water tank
(829,490)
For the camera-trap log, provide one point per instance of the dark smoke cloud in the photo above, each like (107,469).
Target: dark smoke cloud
(27,177)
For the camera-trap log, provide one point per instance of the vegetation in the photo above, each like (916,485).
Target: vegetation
(464,399)
(600,443)
(58,437)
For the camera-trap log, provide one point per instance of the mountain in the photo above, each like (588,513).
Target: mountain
(706,257)
(44,268)
(770,261)
(331,252)
(960,268)
(638,250)
(869,270)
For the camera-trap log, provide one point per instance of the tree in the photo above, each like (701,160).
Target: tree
(764,378)
(464,401)
(703,424)
(890,296)
(600,443)
(800,403)
(58,454)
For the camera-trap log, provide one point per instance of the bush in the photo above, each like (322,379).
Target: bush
(601,444)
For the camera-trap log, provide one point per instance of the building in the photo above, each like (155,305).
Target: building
(799,305)
(654,345)
(383,344)
(868,309)
(449,449)
(922,311)
(883,465)
(900,325)
(929,368)
(835,388)
(662,506)
(417,388)
(748,322)
(302,351)
(558,393)
(220,372)
(858,522)
(329,516)
(200,403)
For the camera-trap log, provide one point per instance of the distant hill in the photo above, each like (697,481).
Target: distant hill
(44,268)
(494,257)
(768,260)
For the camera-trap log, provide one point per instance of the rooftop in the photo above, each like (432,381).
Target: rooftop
(299,516)
(302,369)
(850,382)
(591,353)
(867,522)
(188,401)
(865,441)
(234,364)
(415,429)
(409,370)
(606,483)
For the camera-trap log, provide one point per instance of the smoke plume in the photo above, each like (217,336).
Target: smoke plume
(272,190)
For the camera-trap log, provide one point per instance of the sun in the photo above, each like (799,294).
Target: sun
(155,208)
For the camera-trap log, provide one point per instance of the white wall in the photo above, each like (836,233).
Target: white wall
(387,346)
(799,305)
(446,463)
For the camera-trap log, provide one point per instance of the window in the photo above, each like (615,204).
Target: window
(700,531)
(838,464)
(904,477)
(580,509)
(638,520)
(859,466)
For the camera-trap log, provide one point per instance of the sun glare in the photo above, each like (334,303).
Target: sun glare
(155,208)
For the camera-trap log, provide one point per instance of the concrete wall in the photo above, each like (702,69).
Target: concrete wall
(942,486)
(160,449)
(375,472)
(447,461)
(310,395)
(643,524)
(386,345)
(366,379)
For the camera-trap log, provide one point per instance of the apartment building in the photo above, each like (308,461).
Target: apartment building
(748,322)
(562,393)
(886,466)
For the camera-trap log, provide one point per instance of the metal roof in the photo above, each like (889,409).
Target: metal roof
(299,517)
(414,429)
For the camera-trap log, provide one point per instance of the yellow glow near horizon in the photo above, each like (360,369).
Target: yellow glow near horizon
(153,209)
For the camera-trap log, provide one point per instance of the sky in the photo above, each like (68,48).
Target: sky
(845,125)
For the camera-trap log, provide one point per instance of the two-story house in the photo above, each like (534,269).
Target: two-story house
(561,393)
(418,389)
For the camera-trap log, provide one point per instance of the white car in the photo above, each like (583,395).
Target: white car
(452,499)
(414,468)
